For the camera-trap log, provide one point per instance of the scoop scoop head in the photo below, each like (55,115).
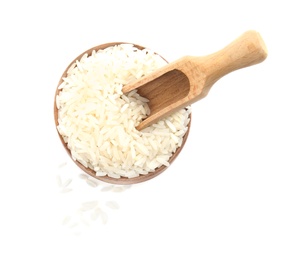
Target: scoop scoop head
(188,79)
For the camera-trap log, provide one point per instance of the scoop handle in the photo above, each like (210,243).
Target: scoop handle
(246,50)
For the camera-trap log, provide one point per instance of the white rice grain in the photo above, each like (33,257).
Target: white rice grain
(66,183)
(66,220)
(66,190)
(59,181)
(91,183)
(104,217)
(95,214)
(89,205)
(112,204)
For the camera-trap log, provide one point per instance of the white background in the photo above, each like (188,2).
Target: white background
(229,194)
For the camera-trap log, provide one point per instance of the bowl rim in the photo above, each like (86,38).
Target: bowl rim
(111,180)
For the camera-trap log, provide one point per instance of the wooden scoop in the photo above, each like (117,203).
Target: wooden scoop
(189,79)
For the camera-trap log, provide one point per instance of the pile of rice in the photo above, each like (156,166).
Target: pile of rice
(97,121)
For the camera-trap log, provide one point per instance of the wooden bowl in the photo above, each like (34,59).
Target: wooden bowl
(121,180)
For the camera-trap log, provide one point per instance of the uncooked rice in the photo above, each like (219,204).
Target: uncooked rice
(91,183)
(97,121)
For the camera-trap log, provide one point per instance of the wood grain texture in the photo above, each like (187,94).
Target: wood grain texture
(189,79)
(122,180)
